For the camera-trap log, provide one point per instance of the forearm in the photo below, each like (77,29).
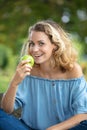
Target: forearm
(66,125)
(8,98)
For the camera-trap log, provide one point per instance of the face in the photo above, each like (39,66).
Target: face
(40,47)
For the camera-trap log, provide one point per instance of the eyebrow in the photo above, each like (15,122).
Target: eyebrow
(37,41)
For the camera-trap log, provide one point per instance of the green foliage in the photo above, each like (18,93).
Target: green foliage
(4,56)
(3,84)
(7,73)
(16,16)
(79,47)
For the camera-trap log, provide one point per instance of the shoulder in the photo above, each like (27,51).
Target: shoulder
(76,72)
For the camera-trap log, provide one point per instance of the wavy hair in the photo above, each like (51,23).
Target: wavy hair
(64,54)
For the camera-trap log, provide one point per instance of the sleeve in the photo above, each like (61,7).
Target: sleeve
(19,99)
(79,102)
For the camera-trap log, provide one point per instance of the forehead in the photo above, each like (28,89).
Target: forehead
(38,35)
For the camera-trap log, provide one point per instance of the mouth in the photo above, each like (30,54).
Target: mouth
(37,56)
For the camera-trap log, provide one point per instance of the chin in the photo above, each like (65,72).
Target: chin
(38,63)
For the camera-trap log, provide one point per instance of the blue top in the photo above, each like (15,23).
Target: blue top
(46,102)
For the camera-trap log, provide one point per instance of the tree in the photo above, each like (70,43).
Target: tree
(16,16)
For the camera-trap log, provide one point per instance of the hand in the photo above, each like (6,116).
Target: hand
(55,127)
(23,69)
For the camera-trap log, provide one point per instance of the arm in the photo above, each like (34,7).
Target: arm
(71,122)
(8,98)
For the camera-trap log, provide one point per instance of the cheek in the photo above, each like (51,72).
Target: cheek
(49,49)
(30,50)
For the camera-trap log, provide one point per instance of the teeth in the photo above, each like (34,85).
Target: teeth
(37,55)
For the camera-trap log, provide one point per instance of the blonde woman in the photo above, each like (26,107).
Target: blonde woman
(52,93)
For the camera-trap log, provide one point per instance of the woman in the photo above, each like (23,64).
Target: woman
(52,93)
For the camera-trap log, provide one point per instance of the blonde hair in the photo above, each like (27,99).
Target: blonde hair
(64,55)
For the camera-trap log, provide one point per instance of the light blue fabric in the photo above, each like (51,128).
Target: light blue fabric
(47,102)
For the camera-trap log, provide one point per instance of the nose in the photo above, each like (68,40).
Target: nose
(35,48)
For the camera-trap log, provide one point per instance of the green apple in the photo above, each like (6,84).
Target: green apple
(30,58)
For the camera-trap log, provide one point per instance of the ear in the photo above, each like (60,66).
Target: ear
(55,48)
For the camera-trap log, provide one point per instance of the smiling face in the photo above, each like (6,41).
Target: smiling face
(41,47)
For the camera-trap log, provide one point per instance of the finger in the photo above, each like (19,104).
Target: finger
(23,74)
(27,73)
(23,62)
(25,69)
(24,66)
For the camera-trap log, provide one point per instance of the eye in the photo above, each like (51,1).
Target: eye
(31,44)
(41,43)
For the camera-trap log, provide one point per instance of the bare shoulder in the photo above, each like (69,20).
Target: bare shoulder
(76,72)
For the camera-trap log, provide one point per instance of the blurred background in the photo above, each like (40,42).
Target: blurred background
(15,18)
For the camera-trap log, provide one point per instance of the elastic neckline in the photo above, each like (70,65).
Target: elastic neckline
(46,79)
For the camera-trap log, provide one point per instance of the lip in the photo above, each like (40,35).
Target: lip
(37,56)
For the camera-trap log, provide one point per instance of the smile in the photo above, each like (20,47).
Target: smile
(36,56)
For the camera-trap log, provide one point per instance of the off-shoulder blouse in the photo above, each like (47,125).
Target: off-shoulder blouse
(46,102)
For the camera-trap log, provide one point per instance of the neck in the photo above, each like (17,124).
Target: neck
(47,72)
